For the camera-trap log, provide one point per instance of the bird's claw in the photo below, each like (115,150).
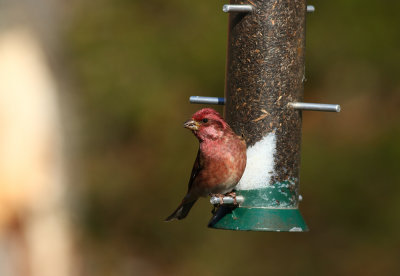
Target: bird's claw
(233,195)
(221,198)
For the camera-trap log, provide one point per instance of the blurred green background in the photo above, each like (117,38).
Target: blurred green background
(133,65)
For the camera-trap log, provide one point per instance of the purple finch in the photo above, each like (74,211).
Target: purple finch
(220,161)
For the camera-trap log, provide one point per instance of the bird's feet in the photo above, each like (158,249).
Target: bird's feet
(233,195)
(221,198)
(216,206)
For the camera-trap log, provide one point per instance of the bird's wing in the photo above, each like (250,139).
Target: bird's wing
(195,171)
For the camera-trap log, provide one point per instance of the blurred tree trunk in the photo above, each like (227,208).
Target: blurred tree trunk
(35,237)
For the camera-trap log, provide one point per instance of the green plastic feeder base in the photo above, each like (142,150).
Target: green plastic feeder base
(258,219)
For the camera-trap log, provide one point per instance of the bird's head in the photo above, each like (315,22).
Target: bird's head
(207,124)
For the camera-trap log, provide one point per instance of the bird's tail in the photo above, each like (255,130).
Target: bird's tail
(182,211)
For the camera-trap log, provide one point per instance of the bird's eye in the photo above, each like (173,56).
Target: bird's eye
(205,120)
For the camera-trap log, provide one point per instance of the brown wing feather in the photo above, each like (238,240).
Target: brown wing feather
(195,171)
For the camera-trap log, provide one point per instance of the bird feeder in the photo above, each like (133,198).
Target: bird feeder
(263,102)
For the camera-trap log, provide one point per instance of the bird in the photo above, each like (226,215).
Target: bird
(220,161)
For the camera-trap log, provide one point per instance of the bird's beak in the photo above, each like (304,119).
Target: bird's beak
(191,124)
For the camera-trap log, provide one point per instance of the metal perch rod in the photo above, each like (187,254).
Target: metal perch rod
(226,200)
(310,8)
(249,8)
(206,100)
(237,8)
(316,107)
(298,105)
